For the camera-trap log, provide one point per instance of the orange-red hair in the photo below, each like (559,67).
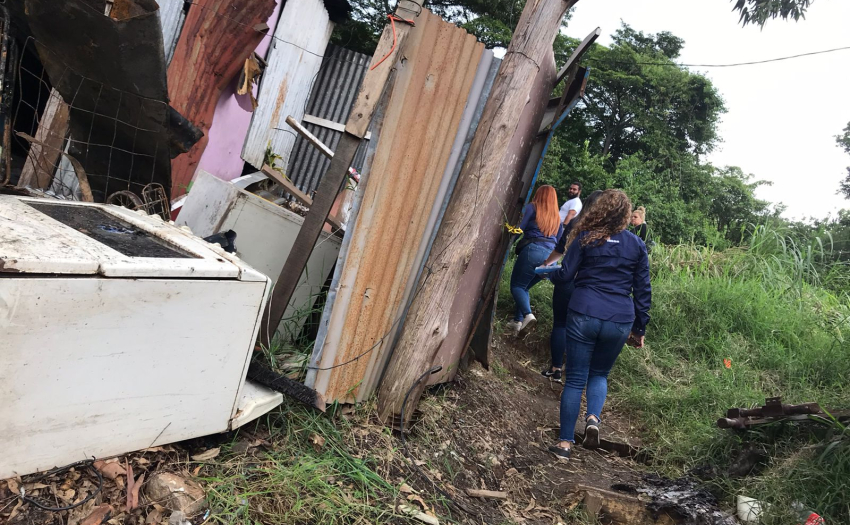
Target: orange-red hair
(546,208)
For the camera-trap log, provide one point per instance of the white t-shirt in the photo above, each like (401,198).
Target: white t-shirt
(572,204)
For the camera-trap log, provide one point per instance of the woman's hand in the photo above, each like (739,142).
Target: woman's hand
(635,340)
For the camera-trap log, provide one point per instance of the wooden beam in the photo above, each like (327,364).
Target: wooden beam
(287,185)
(312,139)
(329,124)
(44,154)
(330,185)
(427,322)
(210,52)
(82,178)
(578,53)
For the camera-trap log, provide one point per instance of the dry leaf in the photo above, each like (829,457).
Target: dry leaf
(318,442)
(35,486)
(419,500)
(197,469)
(511,472)
(134,492)
(208,455)
(154,517)
(531,505)
(407,489)
(96,517)
(13,486)
(16,509)
(110,470)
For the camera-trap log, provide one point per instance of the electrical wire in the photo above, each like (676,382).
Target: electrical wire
(89,464)
(737,64)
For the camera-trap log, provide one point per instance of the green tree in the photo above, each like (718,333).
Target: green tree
(760,11)
(491,21)
(843,141)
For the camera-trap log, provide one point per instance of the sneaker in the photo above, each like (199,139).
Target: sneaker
(591,434)
(527,321)
(552,375)
(561,452)
(514,326)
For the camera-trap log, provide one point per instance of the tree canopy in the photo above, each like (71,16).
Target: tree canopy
(760,11)
(844,142)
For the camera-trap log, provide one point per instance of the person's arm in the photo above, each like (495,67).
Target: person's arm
(570,264)
(570,216)
(560,246)
(642,297)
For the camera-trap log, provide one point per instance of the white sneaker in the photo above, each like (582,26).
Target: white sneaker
(514,326)
(527,321)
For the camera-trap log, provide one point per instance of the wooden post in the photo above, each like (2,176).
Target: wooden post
(331,184)
(44,154)
(217,37)
(427,322)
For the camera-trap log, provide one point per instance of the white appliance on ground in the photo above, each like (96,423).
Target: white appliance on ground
(118,332)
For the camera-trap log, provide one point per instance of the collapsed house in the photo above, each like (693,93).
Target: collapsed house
(328,171)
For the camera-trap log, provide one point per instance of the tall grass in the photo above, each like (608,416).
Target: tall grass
(779,312)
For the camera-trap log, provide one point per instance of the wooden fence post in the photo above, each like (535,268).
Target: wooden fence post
(427,321)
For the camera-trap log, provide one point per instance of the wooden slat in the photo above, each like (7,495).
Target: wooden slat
(312,139)
(276,176)
(210,52)
(44,154)
(367,98)
(578,53)
(329,124)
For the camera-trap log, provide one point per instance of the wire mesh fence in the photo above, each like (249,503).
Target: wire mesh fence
(86,140)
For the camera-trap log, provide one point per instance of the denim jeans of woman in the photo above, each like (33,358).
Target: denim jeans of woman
(523,277)
(560,307)
(593,346)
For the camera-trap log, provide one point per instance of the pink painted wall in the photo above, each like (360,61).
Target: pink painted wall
(223,155)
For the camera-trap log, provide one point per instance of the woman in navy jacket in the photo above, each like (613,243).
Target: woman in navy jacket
(541,227)
(609,306)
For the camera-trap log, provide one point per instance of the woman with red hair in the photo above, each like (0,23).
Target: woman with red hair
(541,227)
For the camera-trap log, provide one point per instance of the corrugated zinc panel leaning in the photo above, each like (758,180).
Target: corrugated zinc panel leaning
(420,125)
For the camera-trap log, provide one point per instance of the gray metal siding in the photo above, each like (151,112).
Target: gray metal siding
(331,98)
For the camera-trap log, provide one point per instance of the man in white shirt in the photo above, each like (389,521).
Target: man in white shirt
(572,207)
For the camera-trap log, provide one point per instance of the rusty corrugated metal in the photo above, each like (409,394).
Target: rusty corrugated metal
(419,130)
(469,302)
(331,98)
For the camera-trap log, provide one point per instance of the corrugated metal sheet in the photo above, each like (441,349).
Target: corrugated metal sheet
(171,16)
(295,57)
(420,125)
(331,99)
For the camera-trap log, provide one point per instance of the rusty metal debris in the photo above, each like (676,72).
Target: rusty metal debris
(774,410)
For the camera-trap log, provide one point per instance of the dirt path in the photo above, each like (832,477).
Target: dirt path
(492,432)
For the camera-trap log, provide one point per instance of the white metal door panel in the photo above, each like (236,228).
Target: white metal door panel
(98,367)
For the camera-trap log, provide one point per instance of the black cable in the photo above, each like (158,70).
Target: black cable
(432,370)
(754,62)
(89,464)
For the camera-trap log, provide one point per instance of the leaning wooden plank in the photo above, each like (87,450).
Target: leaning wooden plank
(427,322)
(267,377)
(211,51)
(578,53)
(82,178)
(312,139)
(286,184)
(330,185)
(41,161)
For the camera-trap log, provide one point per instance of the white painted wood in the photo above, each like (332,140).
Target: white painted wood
(286,82)
(265,234)
(171,16)
(32,242)
(254,401)
(99,367)
(325,123)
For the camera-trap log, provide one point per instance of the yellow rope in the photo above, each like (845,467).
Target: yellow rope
(513,229)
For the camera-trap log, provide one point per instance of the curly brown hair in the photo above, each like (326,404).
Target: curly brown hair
(609,215)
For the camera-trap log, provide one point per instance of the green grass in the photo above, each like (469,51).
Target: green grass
(294,480)
(780,315)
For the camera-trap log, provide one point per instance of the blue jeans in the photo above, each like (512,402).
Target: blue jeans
(592,348)
(560,307)
(523,277)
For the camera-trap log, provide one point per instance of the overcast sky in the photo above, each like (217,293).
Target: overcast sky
(781,117)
